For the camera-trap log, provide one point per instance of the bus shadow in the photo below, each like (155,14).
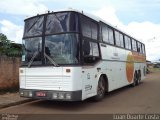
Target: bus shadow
(69,106)
(121,90)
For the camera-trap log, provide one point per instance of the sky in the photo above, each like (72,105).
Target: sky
(138,18)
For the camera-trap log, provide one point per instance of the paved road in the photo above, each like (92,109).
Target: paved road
(144,98)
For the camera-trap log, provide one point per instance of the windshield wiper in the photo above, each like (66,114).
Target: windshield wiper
(51,60)
(31,61)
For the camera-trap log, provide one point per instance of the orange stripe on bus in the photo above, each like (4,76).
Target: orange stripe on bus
(130,67)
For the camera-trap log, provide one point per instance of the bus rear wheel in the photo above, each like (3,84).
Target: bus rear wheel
(135,80)
(101,89)
(138,78)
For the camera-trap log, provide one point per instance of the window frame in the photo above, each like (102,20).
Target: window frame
(134,45)
(117,38)
(139,47)
(120,39)
(82,18)
(108,41)
(95,57)
(143,49)
(128,45)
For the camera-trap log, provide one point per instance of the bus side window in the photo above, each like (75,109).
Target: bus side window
(89,28)
(121,40)
(139,47)
(94,30)
(117,38)
(127,42)
(143,49)
(90,51)
(134,45)
(107,34)
(86,27)
(111,38)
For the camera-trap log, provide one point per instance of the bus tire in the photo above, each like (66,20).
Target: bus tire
(101,89)
(135,80)
(138,78)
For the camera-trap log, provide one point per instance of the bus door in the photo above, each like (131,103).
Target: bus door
(88,81)
(91,56)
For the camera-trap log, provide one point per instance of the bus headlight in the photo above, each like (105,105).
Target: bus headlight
(30,94)
(54,95)
(61,95)
(68,96)
(21,93)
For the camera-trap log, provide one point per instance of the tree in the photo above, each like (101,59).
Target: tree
(5,44)
(8,48)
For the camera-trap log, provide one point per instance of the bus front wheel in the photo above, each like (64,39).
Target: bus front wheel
(101,89)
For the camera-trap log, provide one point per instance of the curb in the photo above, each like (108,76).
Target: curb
(15,103)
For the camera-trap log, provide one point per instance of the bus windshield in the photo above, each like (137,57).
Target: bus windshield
(62,48)
(56,44)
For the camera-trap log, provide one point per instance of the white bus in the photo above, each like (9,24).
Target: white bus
(71,56)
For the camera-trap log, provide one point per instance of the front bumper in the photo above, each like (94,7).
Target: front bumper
(52,95)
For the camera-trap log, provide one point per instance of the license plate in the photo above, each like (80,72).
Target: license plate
(40,94)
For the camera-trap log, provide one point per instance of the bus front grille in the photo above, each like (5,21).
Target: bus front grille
(48,82)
